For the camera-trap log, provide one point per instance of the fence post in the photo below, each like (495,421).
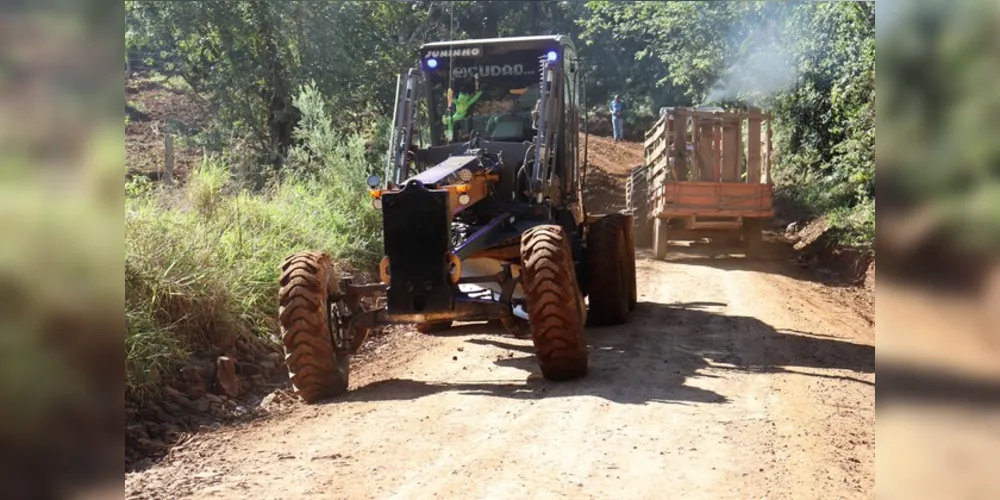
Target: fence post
(168,146)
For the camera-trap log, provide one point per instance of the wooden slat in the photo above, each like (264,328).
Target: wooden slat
(705,145)
(768,151)
(717,150)
(680,143)
(753,147)
(656,132)
(730,150)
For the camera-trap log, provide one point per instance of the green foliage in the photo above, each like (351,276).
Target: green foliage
(811,64)
(202,262)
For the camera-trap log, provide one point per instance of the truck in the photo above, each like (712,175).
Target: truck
(483,219)
(706,174)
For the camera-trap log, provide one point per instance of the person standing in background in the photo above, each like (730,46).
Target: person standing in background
(618,117)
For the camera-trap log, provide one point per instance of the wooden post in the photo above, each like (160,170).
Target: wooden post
(680,144)
(168,163)
(730,150)
(695,140)
(740,151)
(753,147)
(706,158)
(717,152)
(769,151)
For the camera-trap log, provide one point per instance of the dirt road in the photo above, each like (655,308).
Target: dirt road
(732,380)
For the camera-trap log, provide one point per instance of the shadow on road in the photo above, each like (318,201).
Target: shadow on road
(665,354)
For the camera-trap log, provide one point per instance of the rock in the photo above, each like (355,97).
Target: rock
(149,413)
(792,227)
(248,369)
(200,405)
(267,366)
(212,398)
(162,415)
(268,400)
(152,445)
(225,376)
(173,393)
(173,409)
(195,384)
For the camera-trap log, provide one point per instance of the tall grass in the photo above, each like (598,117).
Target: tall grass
(202,261)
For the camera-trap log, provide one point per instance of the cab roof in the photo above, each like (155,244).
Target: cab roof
(513,42)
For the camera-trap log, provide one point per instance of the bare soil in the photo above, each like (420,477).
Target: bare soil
(729,381)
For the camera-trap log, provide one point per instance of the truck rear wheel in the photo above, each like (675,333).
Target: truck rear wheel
(317,367)
(556,310)
(753,237)
(660,239)
(608,271)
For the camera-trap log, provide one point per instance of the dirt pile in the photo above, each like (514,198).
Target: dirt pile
(608,165)
(601,125)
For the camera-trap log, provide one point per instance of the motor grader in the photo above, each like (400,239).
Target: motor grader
(483,219)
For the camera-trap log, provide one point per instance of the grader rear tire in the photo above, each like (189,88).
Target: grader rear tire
(556,310)
(316,368)
(625,222)
(607,272)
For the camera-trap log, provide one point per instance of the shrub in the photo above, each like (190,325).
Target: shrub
(202,262)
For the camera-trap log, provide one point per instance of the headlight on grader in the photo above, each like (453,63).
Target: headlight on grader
(377,203)
(464,199)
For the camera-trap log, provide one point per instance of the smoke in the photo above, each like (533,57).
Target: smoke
(766,69)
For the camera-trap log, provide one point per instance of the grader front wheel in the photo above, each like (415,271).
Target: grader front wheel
(555,305)
(317,367)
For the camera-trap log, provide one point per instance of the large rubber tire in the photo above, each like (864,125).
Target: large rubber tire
(625,223)
(753,237)
(660,239)
(607,273)
(556,310)
(316,369)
